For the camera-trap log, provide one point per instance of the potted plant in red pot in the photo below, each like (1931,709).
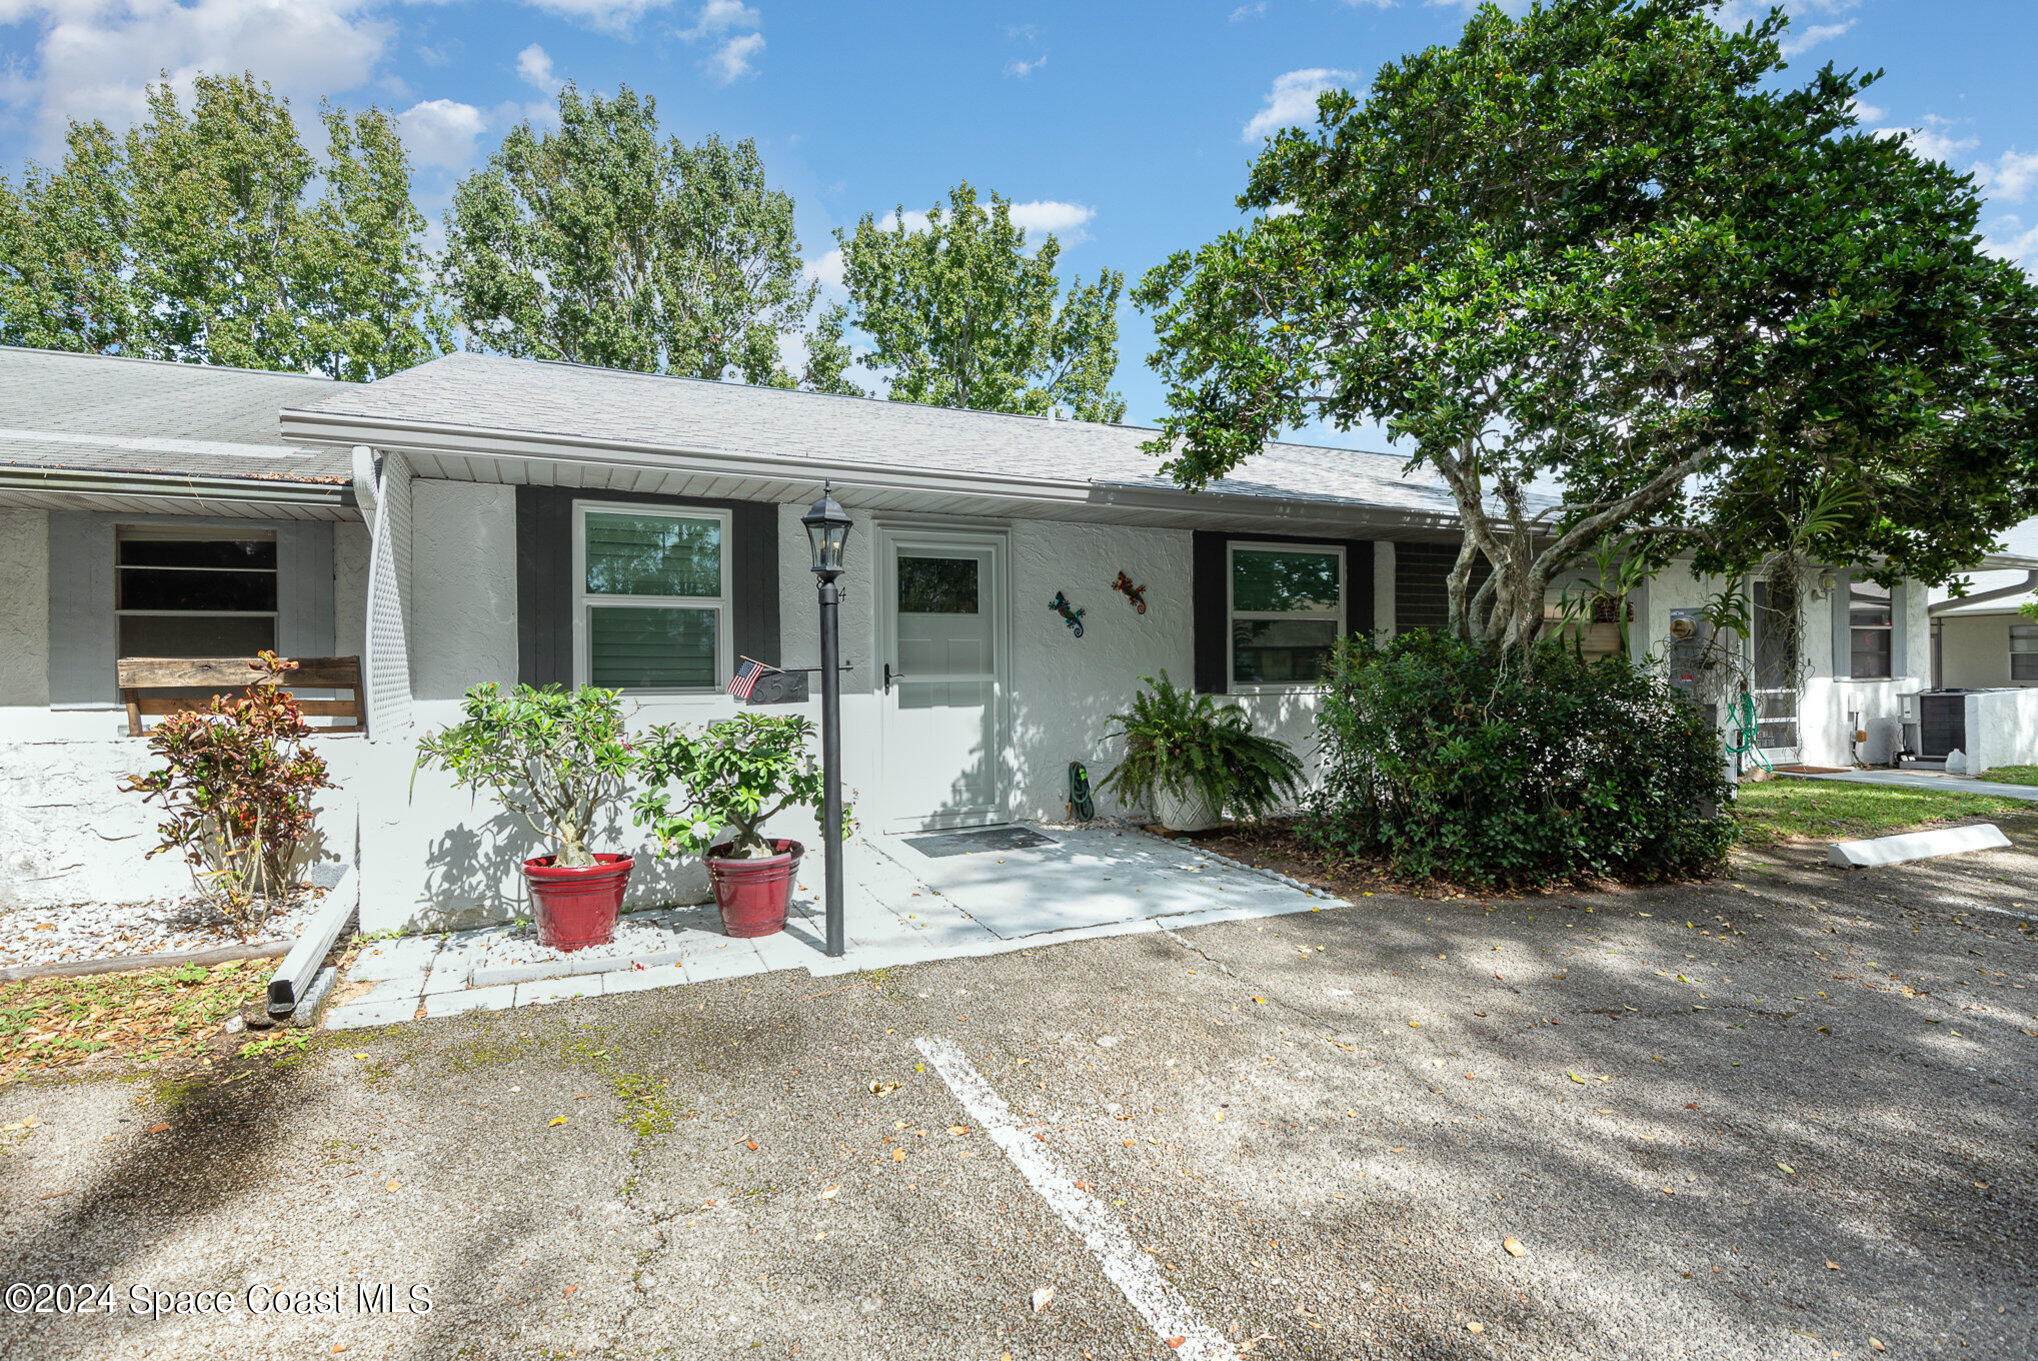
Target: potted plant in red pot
(729,777)
(557,758)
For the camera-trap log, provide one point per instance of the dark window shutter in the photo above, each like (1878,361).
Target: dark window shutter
(1210,599)
(545,576)
(1359,586)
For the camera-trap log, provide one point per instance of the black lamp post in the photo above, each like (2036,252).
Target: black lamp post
(828,531)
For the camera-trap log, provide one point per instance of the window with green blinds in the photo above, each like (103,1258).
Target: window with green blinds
(634,647)
(653,598)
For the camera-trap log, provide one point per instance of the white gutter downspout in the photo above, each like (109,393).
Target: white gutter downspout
(367,483)
(2025,587)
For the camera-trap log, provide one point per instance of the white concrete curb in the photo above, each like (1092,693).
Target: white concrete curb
(1895,850)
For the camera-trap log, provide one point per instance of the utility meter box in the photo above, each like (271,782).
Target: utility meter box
(1685,657)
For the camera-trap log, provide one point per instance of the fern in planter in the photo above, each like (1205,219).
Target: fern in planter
(1188,744)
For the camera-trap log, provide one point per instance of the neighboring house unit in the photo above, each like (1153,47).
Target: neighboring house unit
(487,519)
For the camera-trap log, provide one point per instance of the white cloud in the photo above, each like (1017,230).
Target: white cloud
(95,58)
(1249,11)
(723,16)
(2013,177)
(1022,68)
(735,25)
(828,269)
(1065,220)
(2010,239)
(1798,40)
(1930,143)
(1866,113)
(733,59)
(1292,99)
(534,67)
(610,16)
(441,132)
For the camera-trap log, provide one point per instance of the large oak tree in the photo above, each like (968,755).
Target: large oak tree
(1607,247)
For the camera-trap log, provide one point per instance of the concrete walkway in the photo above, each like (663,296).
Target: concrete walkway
(908,900)
(1912,779)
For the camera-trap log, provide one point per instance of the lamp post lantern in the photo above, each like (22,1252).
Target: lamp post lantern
(828,533)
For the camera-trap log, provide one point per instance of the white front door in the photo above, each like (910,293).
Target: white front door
(941,659)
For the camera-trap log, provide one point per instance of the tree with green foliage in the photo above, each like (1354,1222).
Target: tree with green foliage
(195,237)
(1602,247)
(959,313)
(603,243)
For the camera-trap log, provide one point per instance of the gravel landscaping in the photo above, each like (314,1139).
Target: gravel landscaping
(99,930)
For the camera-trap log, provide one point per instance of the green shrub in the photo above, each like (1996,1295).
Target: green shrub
(1553,769)
(1186,743)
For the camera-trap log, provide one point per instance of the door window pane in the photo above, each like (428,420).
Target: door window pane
(666,555)
(937,585)
(643,648)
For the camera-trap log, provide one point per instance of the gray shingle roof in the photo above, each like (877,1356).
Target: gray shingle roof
(102,413)
(495,393)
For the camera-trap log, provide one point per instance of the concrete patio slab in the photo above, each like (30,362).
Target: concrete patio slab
(901,907)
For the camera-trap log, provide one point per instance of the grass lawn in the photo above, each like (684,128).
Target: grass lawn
(1784,810)
(2011,774)
(55,1025)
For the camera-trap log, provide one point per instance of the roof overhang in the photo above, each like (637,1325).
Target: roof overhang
(476,453)
(89,488)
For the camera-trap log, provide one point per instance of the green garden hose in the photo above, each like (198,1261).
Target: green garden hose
(1081,809)
(1741,737)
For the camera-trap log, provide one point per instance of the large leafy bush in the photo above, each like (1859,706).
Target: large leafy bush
(1547,768)
(238,782)
(1187,743)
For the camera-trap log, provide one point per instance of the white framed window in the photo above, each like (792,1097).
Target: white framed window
(196,592)
(1285,610)
(651,607)
(2024,652)
(1871,631)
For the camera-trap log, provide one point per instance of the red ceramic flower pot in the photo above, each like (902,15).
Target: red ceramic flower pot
(577,907)
(754,894)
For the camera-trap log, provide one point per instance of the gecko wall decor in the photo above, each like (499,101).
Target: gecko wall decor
(1069,614)
(1136,594)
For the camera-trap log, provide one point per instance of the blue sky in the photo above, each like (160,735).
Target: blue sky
(1126,127)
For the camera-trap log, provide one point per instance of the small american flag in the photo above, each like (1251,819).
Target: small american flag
(745,679)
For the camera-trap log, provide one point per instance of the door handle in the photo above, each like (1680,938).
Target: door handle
(890,676)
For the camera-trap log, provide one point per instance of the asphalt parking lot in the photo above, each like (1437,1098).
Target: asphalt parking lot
(1786,1116)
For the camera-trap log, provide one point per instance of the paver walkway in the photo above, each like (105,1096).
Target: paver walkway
(902,906)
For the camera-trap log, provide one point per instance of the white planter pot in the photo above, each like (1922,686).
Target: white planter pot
(1189,812)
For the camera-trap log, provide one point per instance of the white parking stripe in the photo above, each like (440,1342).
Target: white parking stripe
(1125,1264)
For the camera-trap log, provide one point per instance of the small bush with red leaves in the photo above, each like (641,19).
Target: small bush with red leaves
(238,783)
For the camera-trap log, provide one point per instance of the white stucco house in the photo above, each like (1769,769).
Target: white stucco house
(487,519)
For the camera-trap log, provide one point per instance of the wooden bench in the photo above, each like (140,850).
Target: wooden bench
(231,675)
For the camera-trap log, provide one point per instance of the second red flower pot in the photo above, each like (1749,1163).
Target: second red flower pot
(754,894)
